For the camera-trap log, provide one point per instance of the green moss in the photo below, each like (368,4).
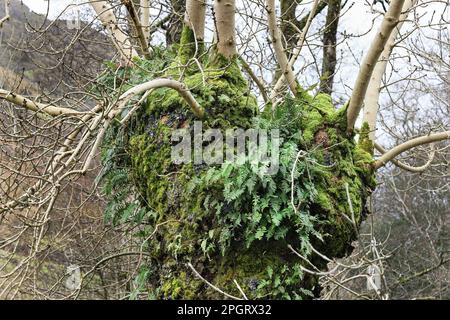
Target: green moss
(188,45)
(222,92)
(263,277)
(341,164)
(317,112)
(365,142)
(196,220)
(180,286)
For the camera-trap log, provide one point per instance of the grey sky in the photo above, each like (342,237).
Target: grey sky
(359,21)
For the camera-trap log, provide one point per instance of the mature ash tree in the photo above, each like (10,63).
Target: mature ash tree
(217,230)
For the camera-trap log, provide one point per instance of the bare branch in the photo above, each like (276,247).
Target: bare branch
(106,15)
(210,284)
(36,106)
(255,79)
(391,154)
(405,166)
(275,33)
(288,69)
(160,83)
(146,50)
(329,47)
(373,90)
(390,20)
(7,16)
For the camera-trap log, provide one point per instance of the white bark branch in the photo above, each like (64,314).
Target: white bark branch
(160,83)
(372,96)
(36,106)
(195,16)
(7,16)
(280,53)
(122,42)
(145,18)
(226,27)
(391,154)
(281,81)
(405,166)
(390,21)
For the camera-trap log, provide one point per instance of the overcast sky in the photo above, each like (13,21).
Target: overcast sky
(358,21)
(55,6)
(358,11)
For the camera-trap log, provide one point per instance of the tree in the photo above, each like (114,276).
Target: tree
(210,231)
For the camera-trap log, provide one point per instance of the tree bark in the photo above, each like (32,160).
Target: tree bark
(122,42)
(145,18)
(390,21)
(329,46)
(224,15)
(372,97)
(194,17)
(175,23)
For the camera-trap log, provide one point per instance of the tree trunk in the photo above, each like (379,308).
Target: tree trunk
(175,23)
(105,13)
(224,17)
(329,46)
(372,97)
(194,17)
(191,42)
(288,22)
(224,231)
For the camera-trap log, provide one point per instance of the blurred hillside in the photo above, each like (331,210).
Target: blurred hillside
(48,54)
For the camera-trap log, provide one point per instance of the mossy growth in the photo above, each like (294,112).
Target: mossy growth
(189,46)
(342,171)
(364,141)
(229,221)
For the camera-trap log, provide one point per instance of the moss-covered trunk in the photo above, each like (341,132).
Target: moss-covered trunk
(230,222)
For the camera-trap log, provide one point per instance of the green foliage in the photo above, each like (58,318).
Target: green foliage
(124,202)
(255,206)
(278,283)
(123,206)
(140,283)
(189,47)
(230,221)
(364,141)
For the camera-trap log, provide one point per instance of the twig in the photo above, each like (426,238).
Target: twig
(210,284)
